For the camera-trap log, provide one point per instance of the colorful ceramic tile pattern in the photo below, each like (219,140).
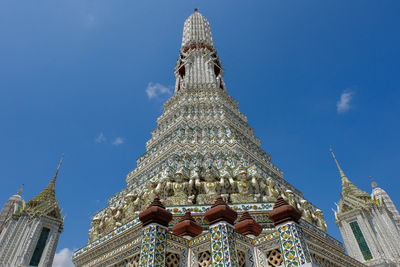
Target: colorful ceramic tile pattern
(294,249)
(223,246)
(301,245)
(239,207)
(259,211)
(154,240)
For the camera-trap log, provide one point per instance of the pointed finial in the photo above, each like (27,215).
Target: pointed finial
(20,190)
(342,175)
(187,226)
(373,184)
(58,169)
(247,225)
(157,203)
(45,202)
(155,213)
(283,212)
(196,10)
(220,212)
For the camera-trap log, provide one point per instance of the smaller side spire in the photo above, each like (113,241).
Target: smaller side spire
(45,203)
(351,196)
(53,181)
(20,190)
(382,198)
(342,175)
(373,184)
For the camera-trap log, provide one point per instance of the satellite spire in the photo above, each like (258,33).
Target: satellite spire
(53,181)
(20,190)
(342,175)
(45,202)
(373,184)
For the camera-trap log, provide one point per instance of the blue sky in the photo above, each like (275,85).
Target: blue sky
(74,74)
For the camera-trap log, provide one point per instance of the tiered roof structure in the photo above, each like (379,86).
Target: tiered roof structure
(368,224)
(351,197)
(29,232)
(45,203)
(202,146)
(202,151)
(382,198)
(15,201)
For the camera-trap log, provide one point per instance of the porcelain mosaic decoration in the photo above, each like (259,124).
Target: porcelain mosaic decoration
(202,148)
(223,246)
(294,250)
(153,250)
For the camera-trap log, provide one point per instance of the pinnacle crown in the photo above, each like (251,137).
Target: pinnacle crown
(196,30)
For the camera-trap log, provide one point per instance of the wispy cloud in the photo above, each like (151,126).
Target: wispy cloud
(344,103)
(154,90)
(118,141)
(101,138)
(63,258)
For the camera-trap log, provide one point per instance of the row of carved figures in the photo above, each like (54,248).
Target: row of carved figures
(201,187)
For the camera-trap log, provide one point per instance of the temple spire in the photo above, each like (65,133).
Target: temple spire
(351,196)
(382,198)
(342,175)
(373,184)
(20,190)
(45,203)
(53,181)
(196,30)
(198,65)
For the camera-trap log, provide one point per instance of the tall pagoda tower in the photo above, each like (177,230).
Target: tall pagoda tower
(202,155)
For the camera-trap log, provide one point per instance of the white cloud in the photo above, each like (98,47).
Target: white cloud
(63,258)
(118,141)
(101,138)
(154,90)
(343,105)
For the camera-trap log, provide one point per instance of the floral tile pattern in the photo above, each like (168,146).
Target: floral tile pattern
(223,246)
(265,237)
(301,245)
(199,239)
(154,240)
(294,250)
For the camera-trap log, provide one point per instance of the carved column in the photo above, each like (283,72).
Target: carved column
(293,246)
(155,221)
(223,245)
